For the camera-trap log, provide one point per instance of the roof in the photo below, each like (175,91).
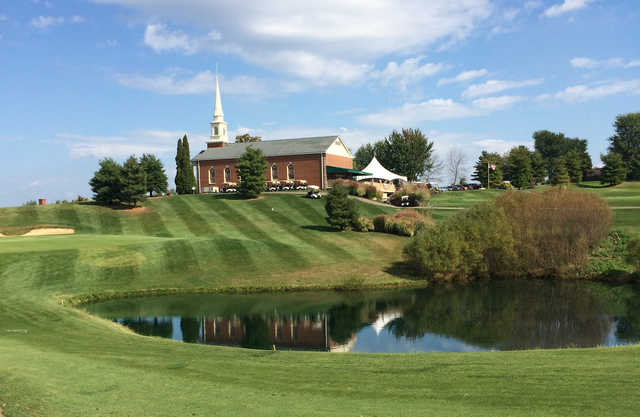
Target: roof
(339,170)
(280,147)
(378,171)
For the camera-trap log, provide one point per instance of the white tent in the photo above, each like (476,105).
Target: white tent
(378,171)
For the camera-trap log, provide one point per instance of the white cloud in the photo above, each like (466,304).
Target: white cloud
(437,109)
(496,86)
(533,4)
(407,72)
(510,14)
(589,63)
(201,83)
(159,142)
(3,18)
(160,39)
(566,7)
(582,93)
(43,22)
(464,76)
(326,42)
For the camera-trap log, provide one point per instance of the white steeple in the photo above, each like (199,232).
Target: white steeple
(218,125)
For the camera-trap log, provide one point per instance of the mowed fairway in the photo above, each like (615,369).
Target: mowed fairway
(56,360)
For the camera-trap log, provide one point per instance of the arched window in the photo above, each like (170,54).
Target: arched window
(215,130)
(227,174)
(290,172)
(274,172)
(212,175)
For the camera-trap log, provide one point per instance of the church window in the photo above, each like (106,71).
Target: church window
(215,130)
(274,172)
(227,174)
(212,175)
(290,171)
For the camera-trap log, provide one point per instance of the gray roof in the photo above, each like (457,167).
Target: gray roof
(280,147)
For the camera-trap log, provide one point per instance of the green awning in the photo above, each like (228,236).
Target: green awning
(338,170)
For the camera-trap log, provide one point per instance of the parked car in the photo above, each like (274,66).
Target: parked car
(313,193)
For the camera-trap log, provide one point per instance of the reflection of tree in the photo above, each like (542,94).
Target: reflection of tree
(190,327)
(628,326)
(147,327)
(508,315)
(344,321)
(256,334)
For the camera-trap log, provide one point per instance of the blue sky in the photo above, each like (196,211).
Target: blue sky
(82,80)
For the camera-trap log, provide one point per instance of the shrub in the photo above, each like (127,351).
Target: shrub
(416,193)
(520,234)
(403,223)
(341,211)
(371,192)
(31,203)
(364,224)
(633,254)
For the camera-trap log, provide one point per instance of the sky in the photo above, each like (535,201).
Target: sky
(81,80)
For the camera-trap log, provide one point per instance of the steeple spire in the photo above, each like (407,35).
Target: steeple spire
(217,108)
(218,125)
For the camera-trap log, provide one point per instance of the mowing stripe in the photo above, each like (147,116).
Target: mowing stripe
(152,224)
(196,224)
(306,208)
(318,241)
(55,268)
(109,222)
(26,215)
(67,215)
(180,256)
(251,231)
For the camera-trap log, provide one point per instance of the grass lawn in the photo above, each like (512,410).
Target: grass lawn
(56,360)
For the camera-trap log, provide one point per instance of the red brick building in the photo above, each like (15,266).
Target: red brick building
(289,160)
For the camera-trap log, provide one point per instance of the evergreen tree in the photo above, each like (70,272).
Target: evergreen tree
(614,171)
(495,175)
(538,168)
(157,181)
(179,168)
(574,166)
(134,182)
(189,178)
(517,167)
(106,183)
(250,168)
(560,174)
(626,143)
(341,210)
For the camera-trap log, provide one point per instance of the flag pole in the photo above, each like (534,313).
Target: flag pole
(488,170)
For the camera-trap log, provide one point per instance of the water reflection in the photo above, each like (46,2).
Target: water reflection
(482,316)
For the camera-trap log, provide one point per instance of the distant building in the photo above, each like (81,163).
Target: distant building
(310,161)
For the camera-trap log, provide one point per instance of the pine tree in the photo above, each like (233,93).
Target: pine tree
(134,182)
(189,178)
(560,174)
(518,167)
(480,173)
(250,168)
(179,169)
(341,210)
(538,167)
(106,183)
(157,181)
(574,166)
(614,171)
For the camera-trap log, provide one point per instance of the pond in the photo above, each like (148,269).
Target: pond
(496,315)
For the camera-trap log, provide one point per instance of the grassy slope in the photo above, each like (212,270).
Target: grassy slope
(59,361)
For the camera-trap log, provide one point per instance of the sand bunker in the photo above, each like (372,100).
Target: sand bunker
(45,231)
(49,231)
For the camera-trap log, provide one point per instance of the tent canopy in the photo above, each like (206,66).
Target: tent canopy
(378,171)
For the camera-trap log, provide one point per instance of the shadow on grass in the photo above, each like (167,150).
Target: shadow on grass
(402,270)
(319,228)
(594,186)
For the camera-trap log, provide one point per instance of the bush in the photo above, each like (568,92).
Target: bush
(341,211)
(416,193)
(371,192)
(520,234)
(364,224)
(403,223)
(633,254)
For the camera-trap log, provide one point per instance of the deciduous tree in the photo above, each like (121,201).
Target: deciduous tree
(517,167)
(626,143)
(456,164)
(246,138)
(363,156)
(407,153)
